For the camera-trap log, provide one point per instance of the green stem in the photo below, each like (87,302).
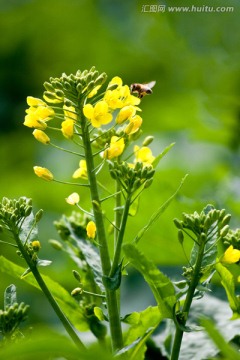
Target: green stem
(187,304)
(118,212)
(64,320)
(111,296)
(118,249)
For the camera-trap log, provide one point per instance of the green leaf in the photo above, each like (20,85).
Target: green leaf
(141,322)
(132,319)
(113,283)
(227,281)
(10,296)
(89,251)
(160,156)
(159,283)
(178,320)
(26,272)
(134,206)
(99,313)
(227,350)
(29,229)
(157,214)
(46,344)
(65,300)
(136,350)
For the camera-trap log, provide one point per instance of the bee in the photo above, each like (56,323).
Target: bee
(142,89)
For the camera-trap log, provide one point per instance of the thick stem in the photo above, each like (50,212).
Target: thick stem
(64,320)
(187,304)
(111,296)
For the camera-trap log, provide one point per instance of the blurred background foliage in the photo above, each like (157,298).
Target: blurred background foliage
(195,59)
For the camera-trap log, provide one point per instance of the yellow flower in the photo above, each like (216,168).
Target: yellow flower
(41,136)
(230,256)
(120,96)
(73,199)
(98,115)
(134,125)
(32,101)
(36,245)
(43,173)
(115,149)
(81,172)
(38,113)
(69,113)
(67,128)
(143,155)
(91,229)
(125,113)
(94,91)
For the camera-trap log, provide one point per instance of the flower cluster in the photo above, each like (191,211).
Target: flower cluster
(112,116)
(74,106)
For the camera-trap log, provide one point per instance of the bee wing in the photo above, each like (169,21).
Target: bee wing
(151,84)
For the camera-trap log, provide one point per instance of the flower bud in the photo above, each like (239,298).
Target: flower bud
(57,85)
(76,275)
(148,140)
(36,245)
(67,86)
(79,88)
(177,223)
(147,183)
(55,244)
(43,173)
(77,291)
(41,136)
(226,219)
(48,86)
(180,236)
(224,231)
(39,215)
(28,211)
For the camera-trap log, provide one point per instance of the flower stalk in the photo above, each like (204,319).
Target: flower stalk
(188,301)
(64,320)
(111,296)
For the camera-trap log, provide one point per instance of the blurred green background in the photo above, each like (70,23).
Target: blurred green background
(195,59)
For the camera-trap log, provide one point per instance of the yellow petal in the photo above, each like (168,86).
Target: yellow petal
(91,229)
(88,111)
(32,101)
(125,113)
(41,136)
(43,173)
(67,128)
(73,199)
(230,256)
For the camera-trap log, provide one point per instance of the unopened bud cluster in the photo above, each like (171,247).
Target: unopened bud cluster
(70,89)
(132,177)
(233,238)
(12,211)
(11,317)
(205,224)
